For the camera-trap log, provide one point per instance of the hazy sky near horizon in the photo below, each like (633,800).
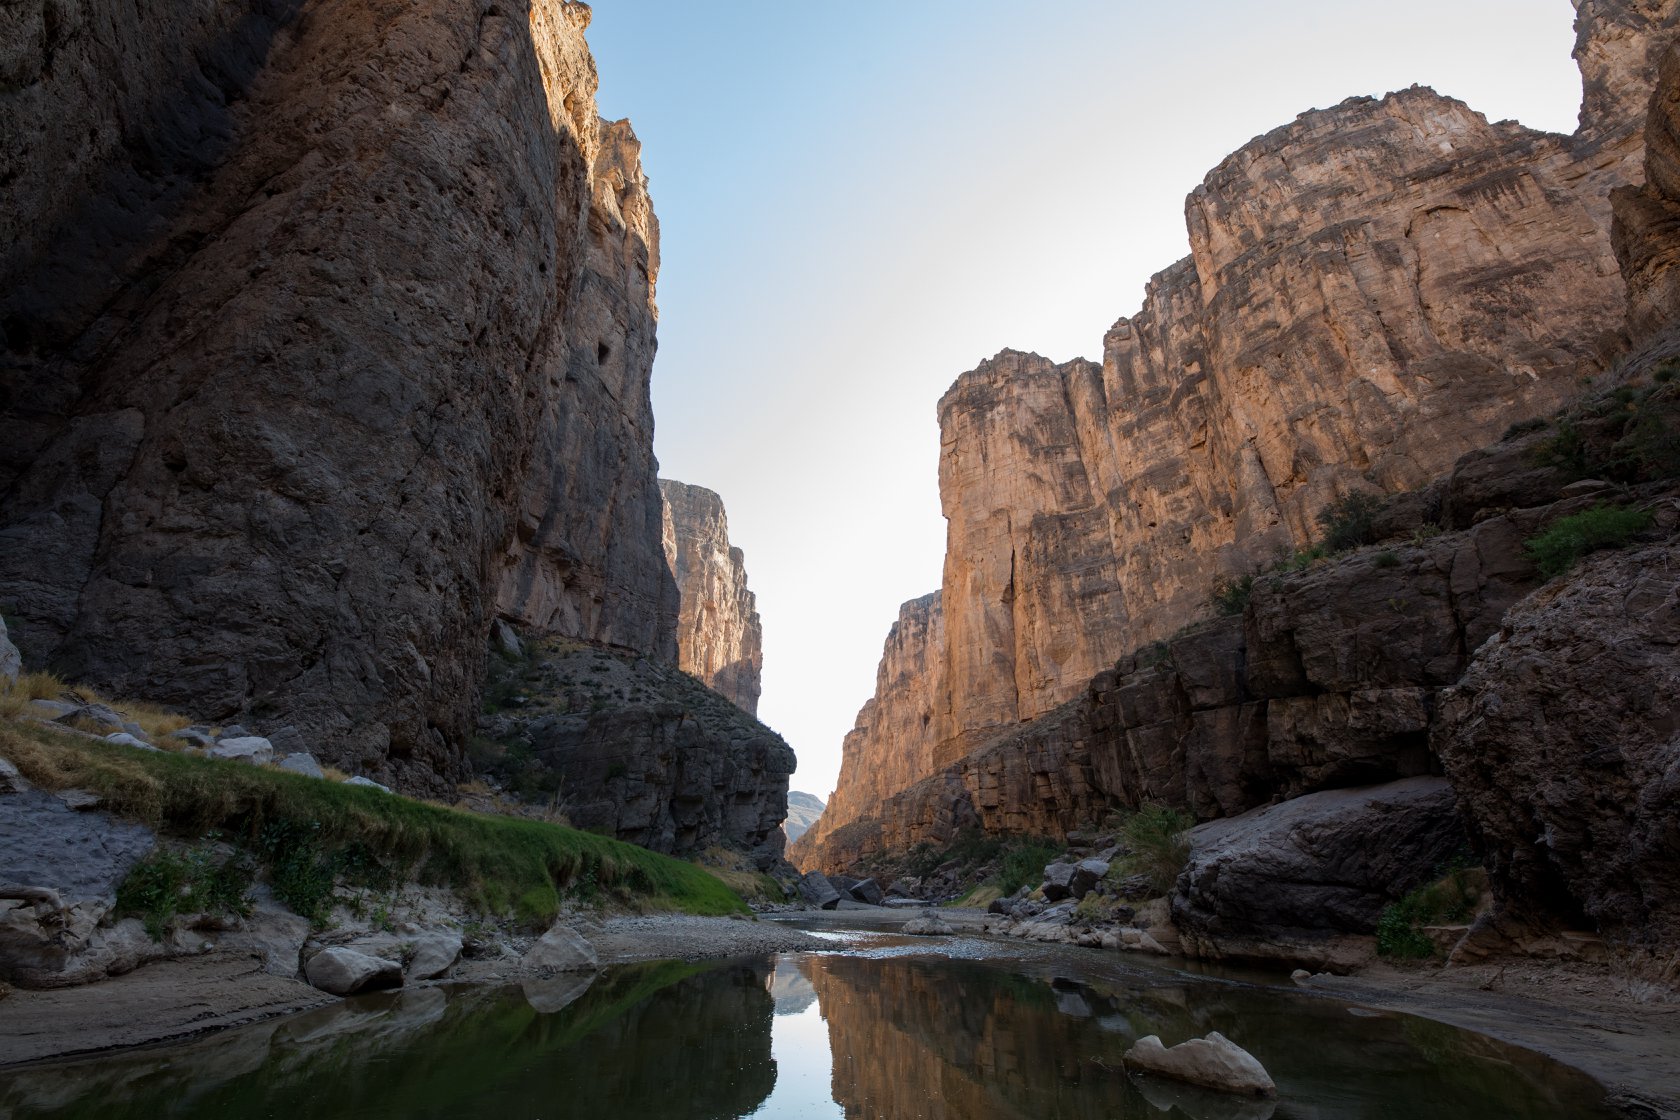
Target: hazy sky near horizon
(860,201)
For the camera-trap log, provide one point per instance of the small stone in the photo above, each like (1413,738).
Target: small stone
(246,748)
(368,783)
(125,739)
(508,639)
(345,971)
(1214,1062)
(928,925)
(866,890)
(304,764)
(50,710)
(195,737)
(287,741)
(11,781)
(234,732)
(1301,976)
(80,800)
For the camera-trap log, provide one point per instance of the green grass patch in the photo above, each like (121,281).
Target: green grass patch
(1348,522)
(1452,898)
(1567,539)
(1230,596)
(307,834)
(1023,864)
(200,880)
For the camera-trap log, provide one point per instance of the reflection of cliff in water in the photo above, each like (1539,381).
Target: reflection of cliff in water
(957,1040)
(668,1041)
(789,987)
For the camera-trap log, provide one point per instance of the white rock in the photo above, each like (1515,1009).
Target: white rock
(1148,944)
(561,949)
(358,780)
(304,764)
(430,953)
(50,709)
(10,780)
(11,662)
(124,739)
(344,971)
(928,925)
(1214,1062)
(246,748)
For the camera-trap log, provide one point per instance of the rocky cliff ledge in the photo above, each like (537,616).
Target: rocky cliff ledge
(1373,291)
(719,637)
(326,335)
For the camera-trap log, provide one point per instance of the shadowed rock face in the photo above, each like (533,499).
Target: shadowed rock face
(1373,291)
(334,324)
(719,636)
(1563,743)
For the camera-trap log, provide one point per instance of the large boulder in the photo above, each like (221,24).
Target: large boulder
(866,890)
(1563,743)
(1058,881)
(344,972)
(815,889)
(561,949)
(1307,880)
(1087,873)
(1214,1062)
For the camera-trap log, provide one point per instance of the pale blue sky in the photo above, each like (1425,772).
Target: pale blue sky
(860,201)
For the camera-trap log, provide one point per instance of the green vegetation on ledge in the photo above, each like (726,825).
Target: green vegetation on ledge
(305,832)
(1568,539)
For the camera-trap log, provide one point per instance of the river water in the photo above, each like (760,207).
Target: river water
(880,1029)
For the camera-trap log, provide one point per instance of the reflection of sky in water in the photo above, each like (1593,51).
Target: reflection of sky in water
(804,1070)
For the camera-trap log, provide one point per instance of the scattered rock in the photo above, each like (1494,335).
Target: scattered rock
(50,710)
(866,890)
(1214,1062)
(198,737)
(124,739)
(1086,875)
(1301,977)
(80,800)
(287,741)
(11,662)
(928,925)
(815,889)
(344,972)
(253,749)
(304,764)
(11,781)
(426,953)
(561,949)
(507,639)
(1058,881)
(369,783)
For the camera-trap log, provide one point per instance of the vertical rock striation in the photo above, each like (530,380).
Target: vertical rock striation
(330,341)
(1373,290)
(719,637)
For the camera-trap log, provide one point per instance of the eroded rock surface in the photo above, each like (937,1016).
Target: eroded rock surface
(637,749)
(719,636)
(1563,741)
(306,356)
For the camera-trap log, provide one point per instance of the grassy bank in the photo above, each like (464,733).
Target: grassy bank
(306,832)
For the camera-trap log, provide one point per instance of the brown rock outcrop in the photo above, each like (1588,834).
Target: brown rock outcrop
(328,305)
(719,636)
(1563,744)
(1647,228)
(1373,291)
(1331,678)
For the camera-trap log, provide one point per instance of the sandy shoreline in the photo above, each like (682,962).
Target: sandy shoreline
(1570,1013)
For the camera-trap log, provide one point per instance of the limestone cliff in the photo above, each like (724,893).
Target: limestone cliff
(1373,290)
(326,333)
(894,744)
(719,637)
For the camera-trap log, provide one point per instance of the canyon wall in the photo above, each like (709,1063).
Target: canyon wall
(719,637)
(326,337)
(1373,291)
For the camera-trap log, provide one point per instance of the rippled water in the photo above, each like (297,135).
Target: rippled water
(891,1032)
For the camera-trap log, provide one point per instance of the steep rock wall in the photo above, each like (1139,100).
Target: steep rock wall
(892,746)
(1373,290)
(719,636)
(291,341)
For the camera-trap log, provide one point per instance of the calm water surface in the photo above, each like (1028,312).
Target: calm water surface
(888,1032)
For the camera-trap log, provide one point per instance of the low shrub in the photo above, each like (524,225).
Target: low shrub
(1453,897)
(200,880)
(1349,520)
(1230,596)
(1567,539)
(1157,845)
(1023,862)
